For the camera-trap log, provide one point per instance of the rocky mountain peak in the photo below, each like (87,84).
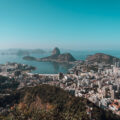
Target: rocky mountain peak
(56,52)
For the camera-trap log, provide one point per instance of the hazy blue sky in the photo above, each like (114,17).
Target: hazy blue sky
(70,24)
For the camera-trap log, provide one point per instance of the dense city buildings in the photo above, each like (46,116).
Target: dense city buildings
(97,82)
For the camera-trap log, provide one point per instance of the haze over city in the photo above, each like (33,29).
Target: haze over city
(71,24)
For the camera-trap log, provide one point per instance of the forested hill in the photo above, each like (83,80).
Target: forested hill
(46,102)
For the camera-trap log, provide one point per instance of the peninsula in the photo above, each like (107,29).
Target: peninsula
(55,57)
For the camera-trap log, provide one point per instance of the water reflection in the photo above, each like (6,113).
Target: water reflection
(61,67)
(55,67)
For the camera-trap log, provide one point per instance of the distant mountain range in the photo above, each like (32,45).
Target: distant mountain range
(22,52)
(67,57)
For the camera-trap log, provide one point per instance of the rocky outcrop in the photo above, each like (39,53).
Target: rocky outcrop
(55,57)
(101,57)
(56,52)
(66,57)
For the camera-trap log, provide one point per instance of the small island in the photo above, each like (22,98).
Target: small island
(55,57)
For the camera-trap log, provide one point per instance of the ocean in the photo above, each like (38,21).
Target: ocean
(50,67)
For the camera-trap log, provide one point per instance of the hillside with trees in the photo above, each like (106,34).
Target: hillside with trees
(46,102)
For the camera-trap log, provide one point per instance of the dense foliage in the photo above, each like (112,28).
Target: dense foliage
(7,84)
(46,102)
